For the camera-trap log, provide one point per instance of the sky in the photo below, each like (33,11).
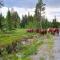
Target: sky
(25,6)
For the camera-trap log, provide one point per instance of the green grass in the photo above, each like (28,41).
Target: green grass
(50,41)
(31,49)
(26,58)
(9,37)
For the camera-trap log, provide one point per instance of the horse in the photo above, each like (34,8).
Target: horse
(30,30)
(53,31)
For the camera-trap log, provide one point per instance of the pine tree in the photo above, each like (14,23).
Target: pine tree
(55,23)
(9,21)
(40,7)
(1,4)
(0,21)
(15,20)
(24,21)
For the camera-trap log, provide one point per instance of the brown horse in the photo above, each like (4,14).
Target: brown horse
(37,30)
(53,31)
(43,31)
(30,30)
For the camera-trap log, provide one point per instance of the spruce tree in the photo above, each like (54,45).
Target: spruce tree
(55,23)
(9,21)
(15,20)
(24,21)
(1,4)
(40,8)
(0,21)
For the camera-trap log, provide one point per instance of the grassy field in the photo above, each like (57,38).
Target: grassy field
(15,35)
(9,37)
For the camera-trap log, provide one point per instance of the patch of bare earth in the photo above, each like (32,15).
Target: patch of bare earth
(43,53)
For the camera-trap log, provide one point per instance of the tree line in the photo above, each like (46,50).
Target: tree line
(13,21)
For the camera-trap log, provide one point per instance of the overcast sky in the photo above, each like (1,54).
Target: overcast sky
(30,3)
(25,6)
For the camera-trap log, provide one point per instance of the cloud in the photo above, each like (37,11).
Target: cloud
(23,11)
(50,12)
(4,11)
(20,11)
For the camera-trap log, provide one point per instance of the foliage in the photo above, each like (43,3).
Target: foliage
(24,21)
(12,20)
(9,21)
(40,8)
(55,23)
(1,21)
(15,20)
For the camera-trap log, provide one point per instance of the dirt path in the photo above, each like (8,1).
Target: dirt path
(56,48)
(42,53)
